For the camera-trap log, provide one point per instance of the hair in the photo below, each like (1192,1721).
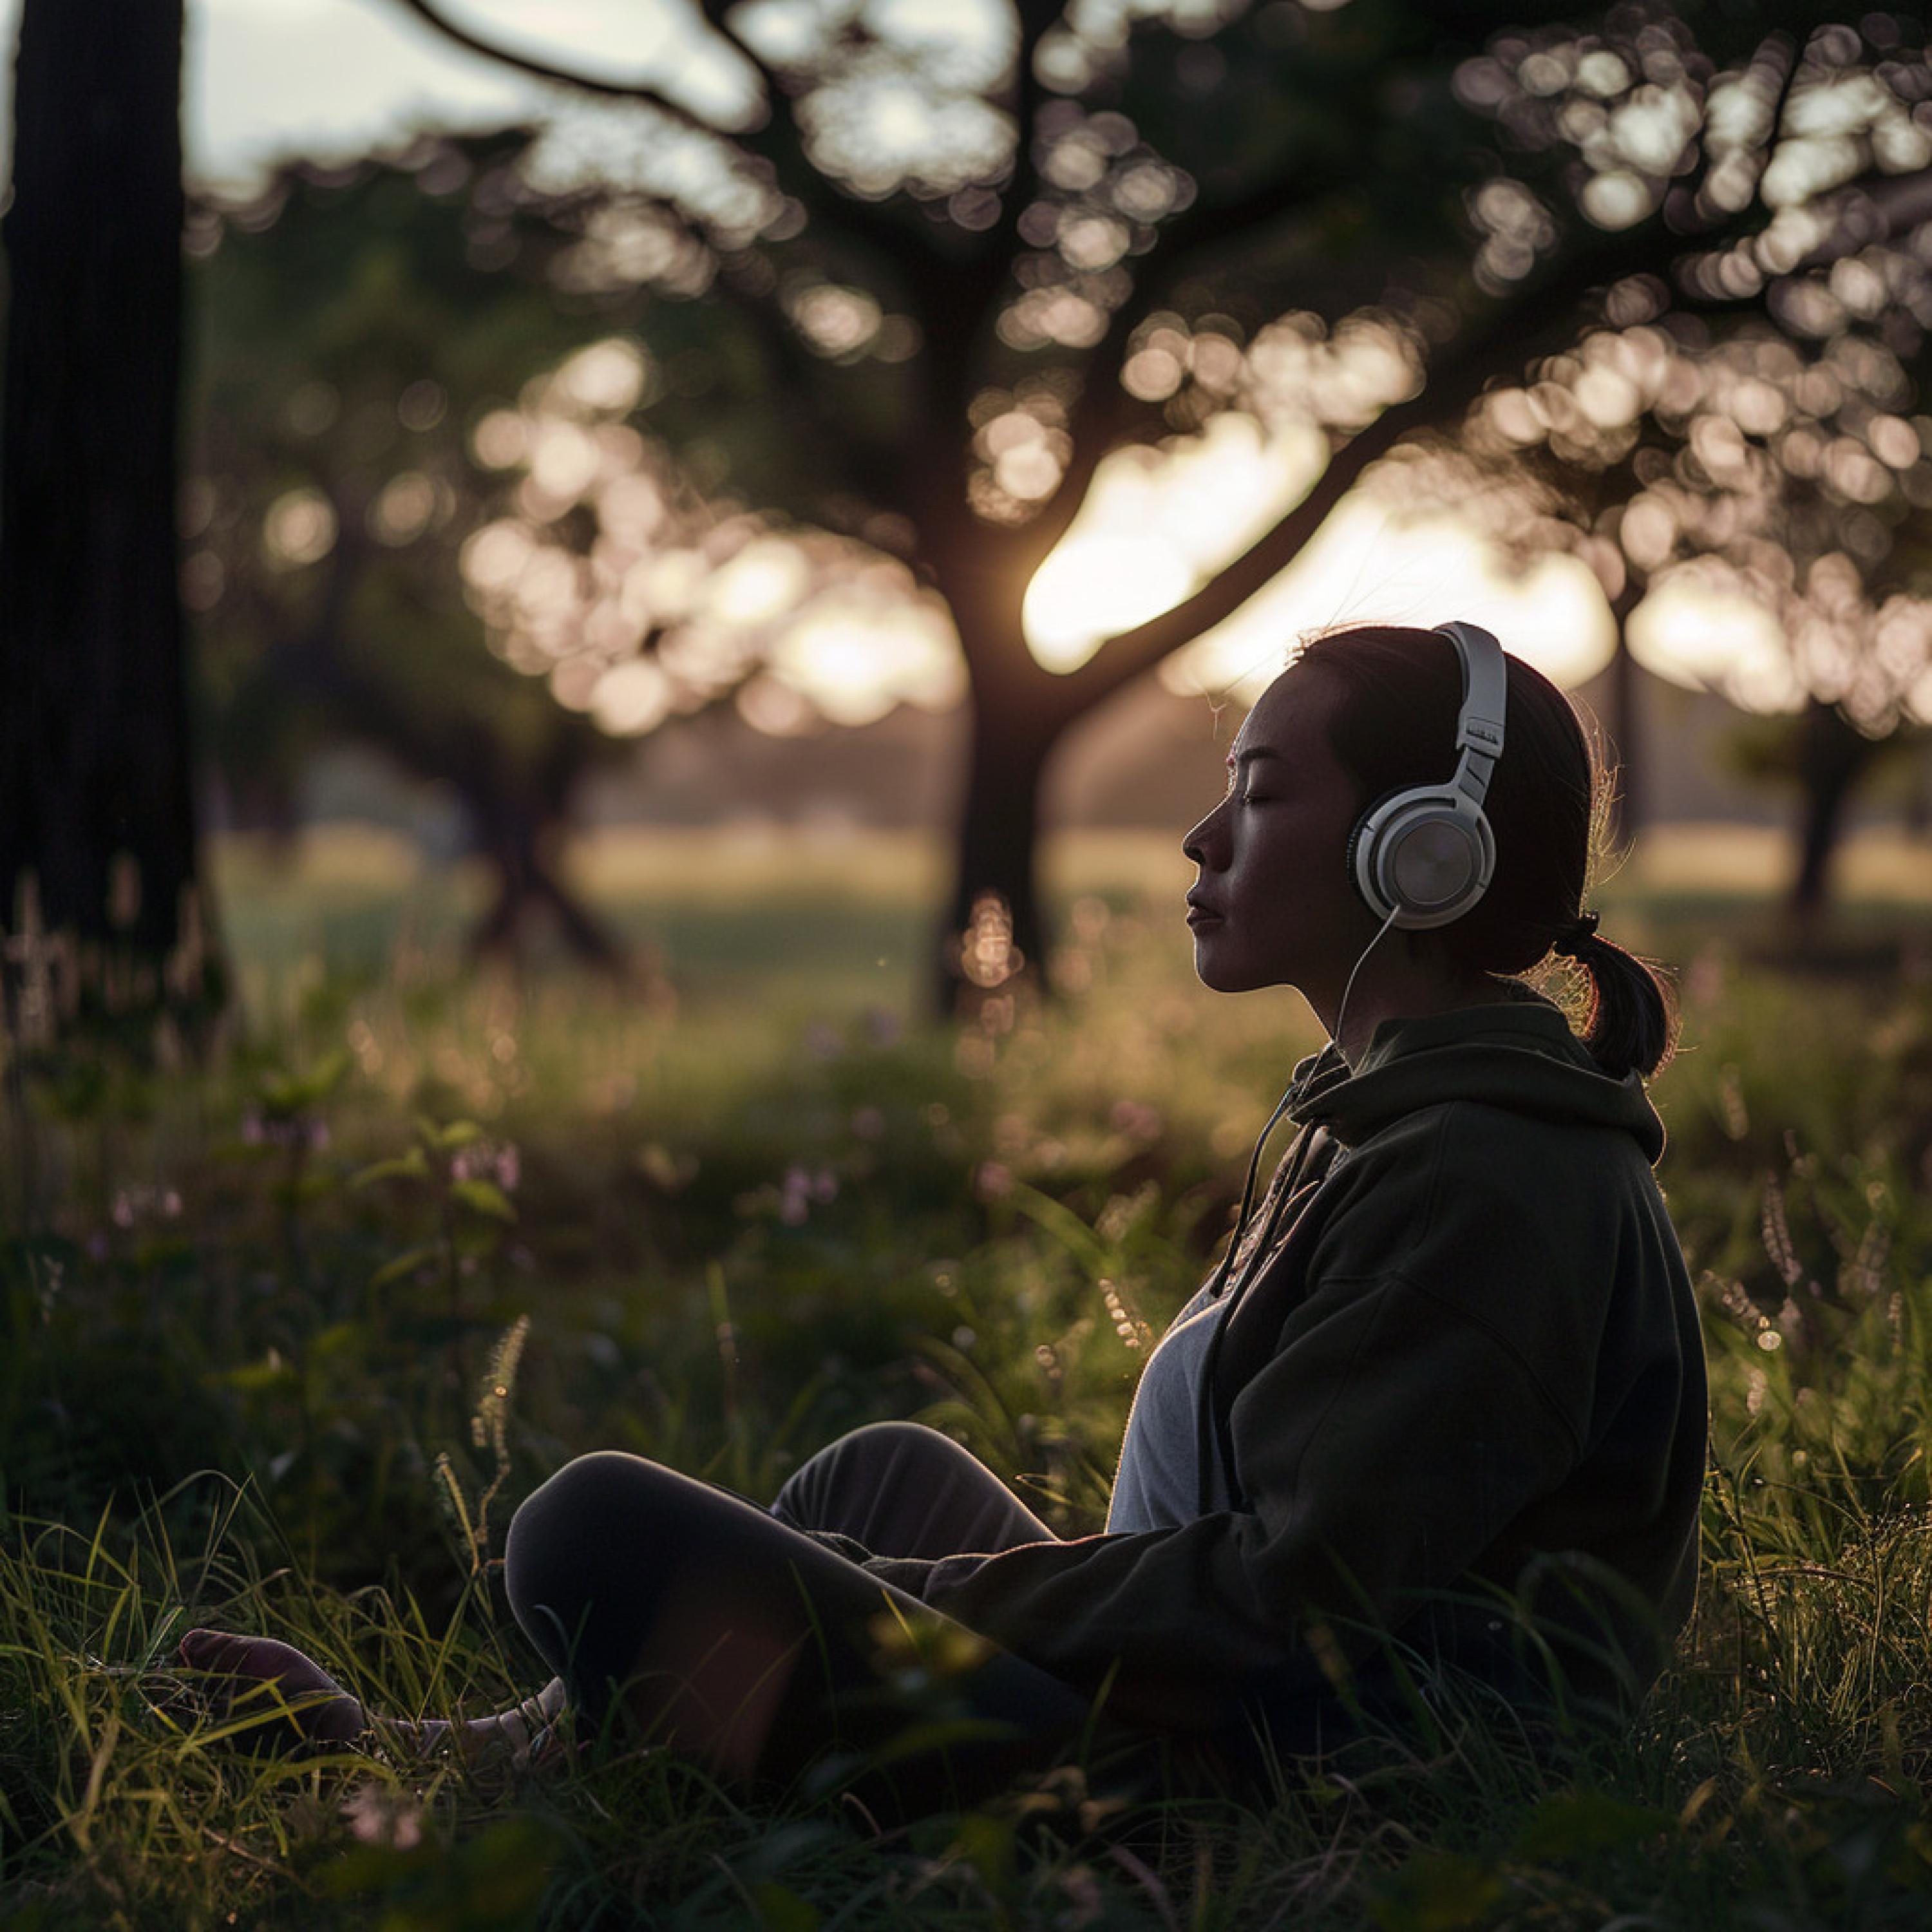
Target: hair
(1549,807)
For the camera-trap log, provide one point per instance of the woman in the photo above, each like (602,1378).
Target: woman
(1443,1402)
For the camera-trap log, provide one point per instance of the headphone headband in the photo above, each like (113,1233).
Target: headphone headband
(1479,729)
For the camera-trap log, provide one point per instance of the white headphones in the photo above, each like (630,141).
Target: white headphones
(1424,857)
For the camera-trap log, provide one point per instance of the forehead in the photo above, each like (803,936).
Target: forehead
(1290,718)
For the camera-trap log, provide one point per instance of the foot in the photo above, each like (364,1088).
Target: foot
(297,1702)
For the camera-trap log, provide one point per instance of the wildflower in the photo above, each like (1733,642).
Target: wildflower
(488,1160)
(139,1202)
(794,1196)
(376,1818)
(993,1180)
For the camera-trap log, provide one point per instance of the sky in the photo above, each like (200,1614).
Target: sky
(265,79)
(269,78)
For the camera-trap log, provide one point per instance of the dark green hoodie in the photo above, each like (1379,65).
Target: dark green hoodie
(1467,1363)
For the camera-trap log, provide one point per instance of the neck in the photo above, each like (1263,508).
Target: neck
(1399,991)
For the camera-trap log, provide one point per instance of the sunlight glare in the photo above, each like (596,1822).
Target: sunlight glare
(856,657)
(1365,566)
(1155,524)
(1692,631)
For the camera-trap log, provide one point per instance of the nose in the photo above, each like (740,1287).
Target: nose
(1205,838)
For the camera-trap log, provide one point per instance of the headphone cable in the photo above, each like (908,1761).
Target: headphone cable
(1205,1400)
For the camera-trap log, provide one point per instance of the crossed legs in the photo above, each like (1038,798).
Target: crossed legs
(728,1634)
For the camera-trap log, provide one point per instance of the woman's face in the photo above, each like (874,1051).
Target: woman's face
(1274,905)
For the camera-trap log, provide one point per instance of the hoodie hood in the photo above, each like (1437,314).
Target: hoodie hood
(1518,1054)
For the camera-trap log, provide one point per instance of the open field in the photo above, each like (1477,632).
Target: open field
(844,910)
(255,1319)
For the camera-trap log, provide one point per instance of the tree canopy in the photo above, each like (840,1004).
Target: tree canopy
(982,251)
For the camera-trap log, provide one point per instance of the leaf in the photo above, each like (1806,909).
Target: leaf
(406,1263)
(1064,1225)
(252,1378)
(985,1843)
(447,1140)
(780,1908)
(1573,1824)
(410,1166)
(483,1197)
(1437,1891)
(285,1095)
(340,1338)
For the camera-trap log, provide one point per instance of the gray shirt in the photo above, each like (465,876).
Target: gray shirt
(1157,1486)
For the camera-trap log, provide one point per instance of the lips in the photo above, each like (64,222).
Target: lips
(1199,915)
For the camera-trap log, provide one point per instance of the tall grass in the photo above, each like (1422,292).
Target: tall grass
(287,1333)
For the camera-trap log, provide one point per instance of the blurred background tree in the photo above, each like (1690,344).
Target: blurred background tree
(419,380)
(1738,440)
(998,247)
(349,329)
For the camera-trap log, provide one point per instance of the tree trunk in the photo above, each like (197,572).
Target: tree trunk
(1833,756)
(96,802)
(517,840)
(995,927)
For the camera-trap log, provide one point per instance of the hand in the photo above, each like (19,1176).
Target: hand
(297,1701)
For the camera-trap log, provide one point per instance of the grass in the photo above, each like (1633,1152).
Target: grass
(255,1314)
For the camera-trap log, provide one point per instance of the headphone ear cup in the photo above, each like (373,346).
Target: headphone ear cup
(1359,857)
(1420,861)
(1430,863)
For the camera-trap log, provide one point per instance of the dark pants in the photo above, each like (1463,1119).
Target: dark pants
(726,1632)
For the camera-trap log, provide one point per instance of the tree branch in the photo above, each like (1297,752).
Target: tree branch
(431,14)
(775,141)
(1514,333)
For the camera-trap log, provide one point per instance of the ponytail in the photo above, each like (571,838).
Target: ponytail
(1631,1020)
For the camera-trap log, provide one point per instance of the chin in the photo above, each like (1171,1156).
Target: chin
(1223,975)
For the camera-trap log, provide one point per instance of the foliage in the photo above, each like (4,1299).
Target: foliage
(351,325)
(266,1363)
(994,264)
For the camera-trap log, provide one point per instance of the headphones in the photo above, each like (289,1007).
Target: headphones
(1423,855)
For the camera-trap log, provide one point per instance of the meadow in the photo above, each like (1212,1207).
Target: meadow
(290,1324)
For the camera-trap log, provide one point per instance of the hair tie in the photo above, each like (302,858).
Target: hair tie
(1569,942)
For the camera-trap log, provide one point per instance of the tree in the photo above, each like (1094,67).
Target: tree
(1089,232)
(415,433)
(97,816)
(1744,429)
(350,329)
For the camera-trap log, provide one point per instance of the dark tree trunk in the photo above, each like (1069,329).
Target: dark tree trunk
(995,926)
(519,840)
(1833,755)
(95,776)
